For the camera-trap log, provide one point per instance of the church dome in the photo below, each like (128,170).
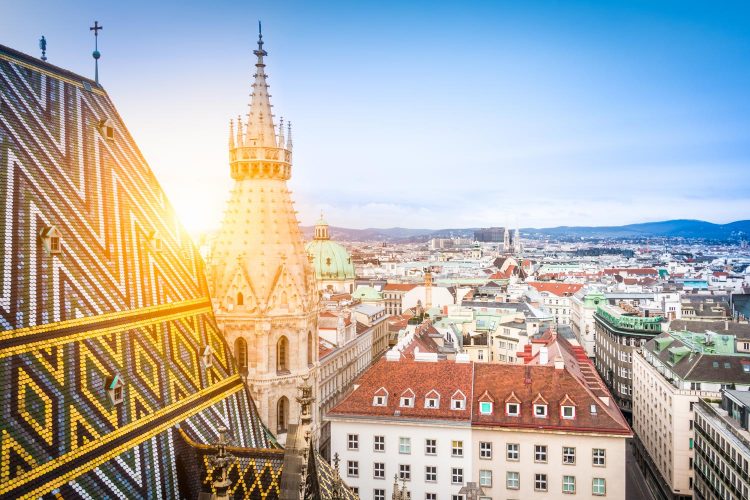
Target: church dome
(331,261)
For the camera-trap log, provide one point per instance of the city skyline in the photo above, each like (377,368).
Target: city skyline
(584,115)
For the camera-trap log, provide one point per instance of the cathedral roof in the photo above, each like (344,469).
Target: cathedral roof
(106,330)
(331,260)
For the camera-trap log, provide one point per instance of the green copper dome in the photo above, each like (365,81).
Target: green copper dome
(331,261)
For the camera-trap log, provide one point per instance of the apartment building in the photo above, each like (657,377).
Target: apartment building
(670,374)
(518,431)
(618,335)
(583,305)
(556,298)
(722,447)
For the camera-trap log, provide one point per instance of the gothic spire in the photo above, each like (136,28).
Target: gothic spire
(260,128)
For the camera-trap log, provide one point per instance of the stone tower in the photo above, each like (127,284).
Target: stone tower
(261,279)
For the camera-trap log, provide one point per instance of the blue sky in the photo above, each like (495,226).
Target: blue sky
(430,114)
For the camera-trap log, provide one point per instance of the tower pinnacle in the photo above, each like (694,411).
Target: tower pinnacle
(260,128)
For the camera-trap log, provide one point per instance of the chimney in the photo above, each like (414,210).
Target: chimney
(559,363)
(543,355)
(726,324)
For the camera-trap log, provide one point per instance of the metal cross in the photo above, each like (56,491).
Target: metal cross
(95,28)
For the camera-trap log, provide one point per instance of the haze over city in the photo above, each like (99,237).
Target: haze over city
(434,114)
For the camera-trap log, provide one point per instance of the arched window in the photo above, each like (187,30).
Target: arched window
(240,299)
(240,352)
(309,349)
(282,414)
(282,355)
(284,300)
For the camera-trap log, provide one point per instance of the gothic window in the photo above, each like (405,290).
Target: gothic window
(282,355)
(240,352)
(284,300)
(309,349)
(282,410)
(240,299)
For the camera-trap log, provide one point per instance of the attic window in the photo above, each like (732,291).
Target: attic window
(540,411)
(407,399)
(207,358)
(512,409)
(458,401)
(568,412)
(50,239)
(593,409)
(106,127)
(431,403)
(379,401)
(114,385)
(485,408)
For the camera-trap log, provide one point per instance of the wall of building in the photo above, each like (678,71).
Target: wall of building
(613,472)
(418,432)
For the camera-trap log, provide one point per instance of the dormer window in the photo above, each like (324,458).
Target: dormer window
(512,409)
(114,385)
(50,239)
(407,399)
(381,397)
(567,408)
(485,403)
(540,407)
(107,129)
(458,401)
(432,399)
(207,358)
(593,409)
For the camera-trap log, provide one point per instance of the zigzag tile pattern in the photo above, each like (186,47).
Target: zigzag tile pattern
(126,294)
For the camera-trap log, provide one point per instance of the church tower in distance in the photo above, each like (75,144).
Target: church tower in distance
(261,279)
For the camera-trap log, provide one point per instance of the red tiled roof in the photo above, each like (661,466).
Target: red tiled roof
(559,289)
(445,377)
(528,383)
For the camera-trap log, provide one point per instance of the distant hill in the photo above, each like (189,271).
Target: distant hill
(680,228)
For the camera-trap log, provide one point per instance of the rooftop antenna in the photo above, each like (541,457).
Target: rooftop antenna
(95,28)
(43,46)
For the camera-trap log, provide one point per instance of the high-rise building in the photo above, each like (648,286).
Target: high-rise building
(670,374)
(261,279)
(618,335)
(722,446)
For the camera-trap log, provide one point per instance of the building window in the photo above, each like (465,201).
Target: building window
(540,411)
(457,475)
(430,473)
(512,409)
(352,468)
(599,457)
(568,412)
(240,351)
(240,299)
(379,443)
(207,358)
(407,399)
(540,482)
(485,450)
(540,453)
(432,403)
(378,494)
(282,409)
(485,408)
(569,484)
(569,455)
(404,472)
(404,445)
(599,486)
(430,496)
(282,355)
(458,401)
(485,478)
(114,386)
(379,400)
(512,451)
(512,480)
(430,447)
(378,470)
(457,448)
(353,441)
